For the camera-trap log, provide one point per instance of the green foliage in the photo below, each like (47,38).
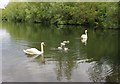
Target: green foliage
(97,15)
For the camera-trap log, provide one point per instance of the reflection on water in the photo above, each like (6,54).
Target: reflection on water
(37,58)
(93,59)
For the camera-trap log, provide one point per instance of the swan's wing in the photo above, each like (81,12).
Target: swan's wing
(83,36)
(32,51)
(28,52)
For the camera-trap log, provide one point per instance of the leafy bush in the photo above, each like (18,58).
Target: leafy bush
(96,15)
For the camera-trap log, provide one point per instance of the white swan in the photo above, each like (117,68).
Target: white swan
(66,42)
(34,51)
(84,36)
(59,48)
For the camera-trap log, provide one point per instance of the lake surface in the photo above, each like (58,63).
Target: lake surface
(96,60)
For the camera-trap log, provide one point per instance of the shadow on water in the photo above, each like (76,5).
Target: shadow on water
(96,61)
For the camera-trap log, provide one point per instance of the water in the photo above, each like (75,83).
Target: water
(96,60)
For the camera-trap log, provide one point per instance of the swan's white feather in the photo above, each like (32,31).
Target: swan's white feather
(84,36)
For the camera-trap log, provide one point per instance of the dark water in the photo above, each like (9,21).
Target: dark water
(96,61)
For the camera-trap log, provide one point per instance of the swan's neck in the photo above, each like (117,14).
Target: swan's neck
(42,48)
(85,33)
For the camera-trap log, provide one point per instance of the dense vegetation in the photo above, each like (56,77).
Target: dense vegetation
(100,15)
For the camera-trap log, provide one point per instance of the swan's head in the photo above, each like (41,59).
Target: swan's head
(42,43)
(85,31)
